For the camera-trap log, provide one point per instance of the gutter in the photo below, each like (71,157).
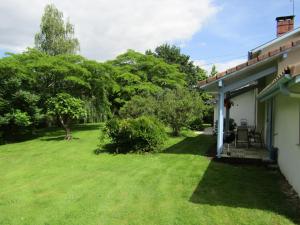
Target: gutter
(285,91)
(280,87)
(275,89)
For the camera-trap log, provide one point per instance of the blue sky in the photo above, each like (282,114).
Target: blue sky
(210,31)
(239,26)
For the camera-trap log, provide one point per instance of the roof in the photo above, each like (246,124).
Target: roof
(291,71)
(250,63)
(277,39)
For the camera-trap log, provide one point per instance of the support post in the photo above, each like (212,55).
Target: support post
(220,120)
(269,125)
(227,118)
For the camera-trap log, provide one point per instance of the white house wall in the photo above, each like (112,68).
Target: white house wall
(286,137)
(244,108)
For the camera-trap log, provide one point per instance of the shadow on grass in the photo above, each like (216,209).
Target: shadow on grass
(107,148)
(189,145)
(238,186)
(192,145)
(51,133)
(245,187)
(59,138)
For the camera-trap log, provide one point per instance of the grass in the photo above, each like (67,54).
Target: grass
(50,181)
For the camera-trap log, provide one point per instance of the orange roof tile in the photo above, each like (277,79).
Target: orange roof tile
(250,62)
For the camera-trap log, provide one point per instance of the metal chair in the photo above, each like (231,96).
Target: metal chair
(258,137)
(242,136)
(244,122)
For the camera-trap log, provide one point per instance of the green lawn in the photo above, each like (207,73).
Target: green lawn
(50,181)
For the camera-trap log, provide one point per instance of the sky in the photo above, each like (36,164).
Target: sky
(210,31)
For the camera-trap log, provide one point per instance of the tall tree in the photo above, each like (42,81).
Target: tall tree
(56,37)
(213,71)
(173,55)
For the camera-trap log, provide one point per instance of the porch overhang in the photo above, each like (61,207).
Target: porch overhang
(243,77)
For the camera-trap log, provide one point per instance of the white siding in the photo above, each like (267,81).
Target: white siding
(244,108)
(286,138)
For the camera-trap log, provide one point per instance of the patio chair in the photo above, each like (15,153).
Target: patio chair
(244,122)
(242,136)
(258,138)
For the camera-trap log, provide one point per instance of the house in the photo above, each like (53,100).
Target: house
(265,91)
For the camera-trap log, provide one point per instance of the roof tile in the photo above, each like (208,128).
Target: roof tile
(251,62)
(222,74)
(295,43)
(287,46)
(241,66)
(231,70)
(201,82)
(210,79)
(274,52)
(263,56)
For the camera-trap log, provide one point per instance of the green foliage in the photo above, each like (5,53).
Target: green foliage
(139,74)
(130,86)
(213,71)
(172,55)
(138,106)
(18,118)
(56,36)
(196,124)
(142,134)
(64,105)
(179,108)
(67,109)
(19,105)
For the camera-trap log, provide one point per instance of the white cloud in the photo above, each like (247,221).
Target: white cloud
(106,28)
(221,66)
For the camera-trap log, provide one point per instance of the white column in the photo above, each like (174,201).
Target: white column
(220,120)
(227,120)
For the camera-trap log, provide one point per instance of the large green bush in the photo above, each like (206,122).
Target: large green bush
(142,134)
(196,124)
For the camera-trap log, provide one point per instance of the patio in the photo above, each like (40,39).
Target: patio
(253,152)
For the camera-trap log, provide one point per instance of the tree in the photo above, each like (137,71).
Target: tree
(67,109)
(179,108)
(56,36)
(172,55)
(213,71)
(19,109)
(139,74)
(138,106)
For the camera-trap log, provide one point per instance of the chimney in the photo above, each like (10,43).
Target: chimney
(284,24)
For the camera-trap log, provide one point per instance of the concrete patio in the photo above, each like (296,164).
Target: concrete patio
(253,152)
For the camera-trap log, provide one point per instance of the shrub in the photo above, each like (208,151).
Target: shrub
(142,134)
(139,106)
(179,107)
(196,124)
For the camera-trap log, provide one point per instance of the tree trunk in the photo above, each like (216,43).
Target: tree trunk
(68,136)
(176,131)
(66,126)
